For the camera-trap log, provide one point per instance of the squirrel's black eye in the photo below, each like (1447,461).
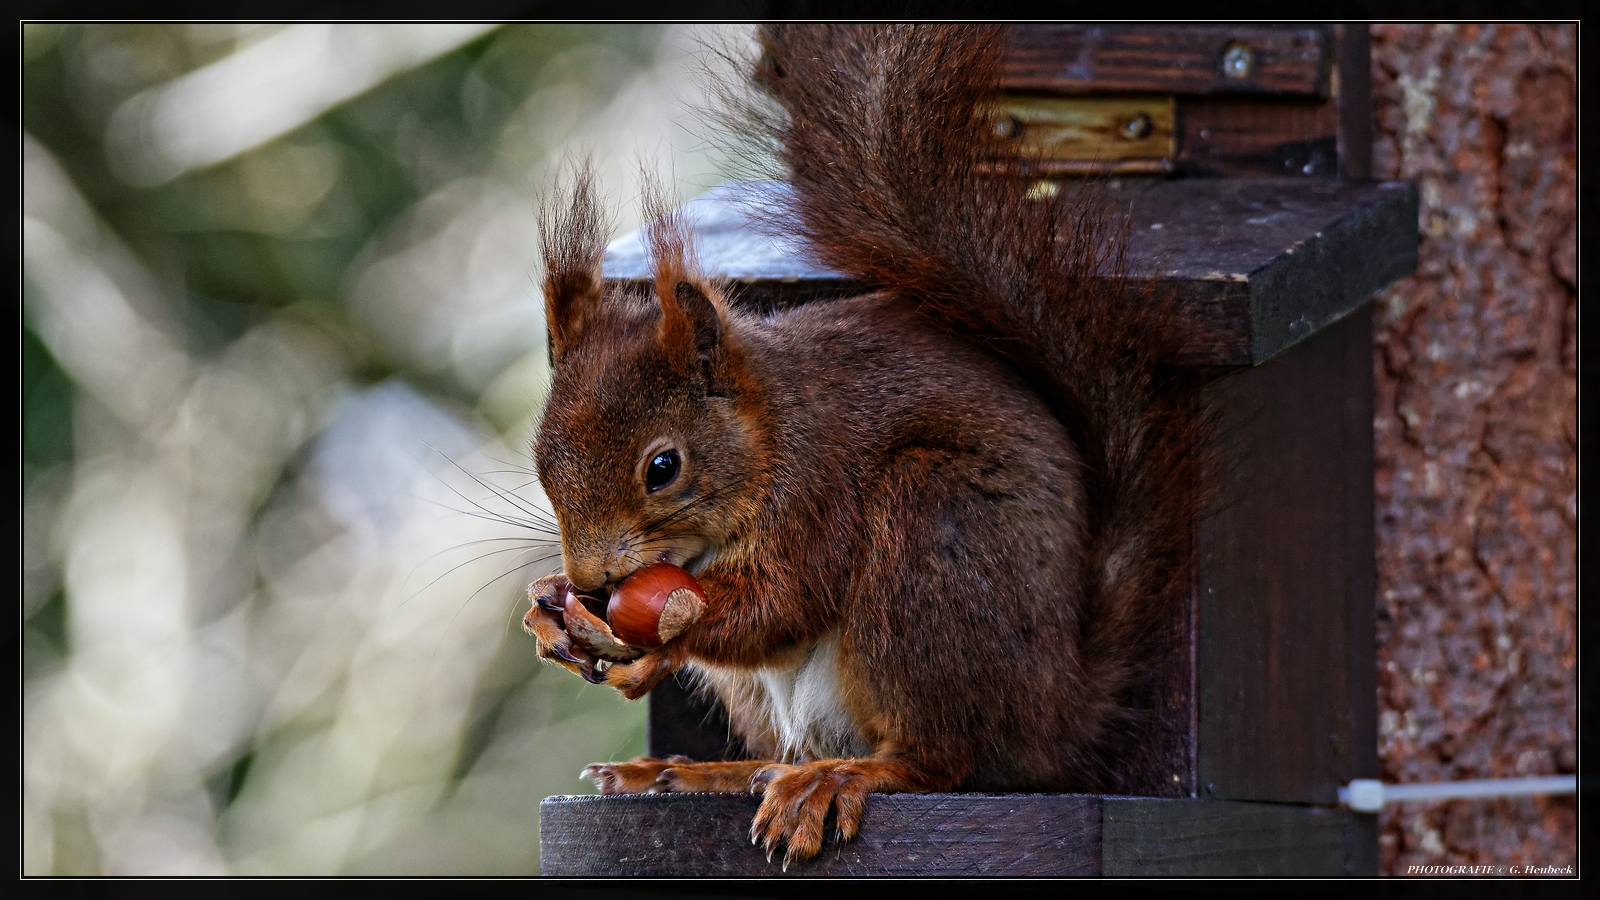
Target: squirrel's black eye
(662,470)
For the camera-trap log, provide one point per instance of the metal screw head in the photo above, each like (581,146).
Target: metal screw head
(1006,128)
(1238,61)
(1137,127)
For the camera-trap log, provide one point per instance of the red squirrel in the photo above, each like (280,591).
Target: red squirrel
(939,526)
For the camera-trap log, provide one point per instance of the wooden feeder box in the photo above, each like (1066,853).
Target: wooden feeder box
(1244,152)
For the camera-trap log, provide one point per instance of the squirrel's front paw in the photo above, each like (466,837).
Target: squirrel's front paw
(545,620)
(570,635)
(635,679)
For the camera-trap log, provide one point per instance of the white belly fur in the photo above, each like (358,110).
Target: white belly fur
(800,704)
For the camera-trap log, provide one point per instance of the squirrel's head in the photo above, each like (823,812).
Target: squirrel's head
(647,448)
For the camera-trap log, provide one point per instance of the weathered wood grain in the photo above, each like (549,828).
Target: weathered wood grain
(1146,837)
(1051,131)
(1171,59)
(1353,93)
(903,834)
(1017,835)
(1306,252)
(1287,677)
(1258,137)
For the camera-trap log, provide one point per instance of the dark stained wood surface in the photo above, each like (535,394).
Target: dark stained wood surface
(1305,253)
(707,835)
(1353,91)
(1305,112)
(1144,837)
(903,834)
(1170,59)
(680,722)
(1261,263)
(1258,137)
(1287,671)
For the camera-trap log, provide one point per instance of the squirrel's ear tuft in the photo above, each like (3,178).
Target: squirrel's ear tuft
(691,324)
(691,335)
(572,240)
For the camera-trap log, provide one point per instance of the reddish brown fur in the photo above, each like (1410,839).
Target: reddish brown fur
(971,486)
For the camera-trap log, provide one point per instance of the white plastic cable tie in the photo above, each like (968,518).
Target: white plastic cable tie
(1370,794)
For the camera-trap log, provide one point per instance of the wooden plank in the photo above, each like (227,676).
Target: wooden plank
(1282,136)
(1307,251)
(1356,465)
(1102,131)
(1361,844)
(1286,657)
(1257,137)
(1168,59)
(1145,837)
(1353,91)
(903,834)
(1017,835)
(1260,263)
(679,722)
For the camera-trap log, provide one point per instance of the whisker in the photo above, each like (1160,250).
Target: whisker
(464,603)
(530,483)
(491,516)
(424,561)
(515,501)
(537,516)
(684,508)
(468,563)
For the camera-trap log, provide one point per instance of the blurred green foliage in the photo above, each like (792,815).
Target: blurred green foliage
(278,232)
(46,408)
(230,235)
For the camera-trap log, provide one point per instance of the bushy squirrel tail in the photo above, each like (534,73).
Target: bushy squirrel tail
(889,147)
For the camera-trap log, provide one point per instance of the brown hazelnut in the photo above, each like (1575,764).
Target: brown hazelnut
(654,605)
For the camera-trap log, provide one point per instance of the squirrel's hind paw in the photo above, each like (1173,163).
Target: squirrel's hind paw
(673,775)
(641,776)
(796,799)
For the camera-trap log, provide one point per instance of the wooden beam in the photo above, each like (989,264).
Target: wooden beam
(1261,263)
(1018,835)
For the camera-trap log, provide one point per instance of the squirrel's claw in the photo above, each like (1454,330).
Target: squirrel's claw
(594,672)
(545,622)
(641,776)
(795,803)
(550,592)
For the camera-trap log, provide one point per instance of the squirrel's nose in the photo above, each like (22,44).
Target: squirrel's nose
(588,575)
(593,573)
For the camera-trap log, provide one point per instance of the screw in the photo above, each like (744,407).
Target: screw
(1237,61)
(1137,127)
